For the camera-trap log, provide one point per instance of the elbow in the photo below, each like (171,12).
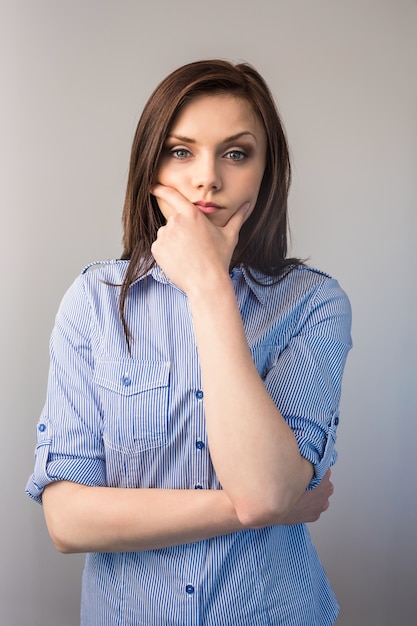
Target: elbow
(63,545)
(261,512)
(272,503)
(61,537)
(59,518)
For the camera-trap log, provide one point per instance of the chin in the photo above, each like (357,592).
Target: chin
(218,220)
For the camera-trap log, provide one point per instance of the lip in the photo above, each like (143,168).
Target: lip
(208,207)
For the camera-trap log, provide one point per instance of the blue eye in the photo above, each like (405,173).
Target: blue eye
(236,155)
(180,153)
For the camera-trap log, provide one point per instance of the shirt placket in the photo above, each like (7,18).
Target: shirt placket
(191,584)
(199,449)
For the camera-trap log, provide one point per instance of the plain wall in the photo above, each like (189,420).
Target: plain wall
(74,77)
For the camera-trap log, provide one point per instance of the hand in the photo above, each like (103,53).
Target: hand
(189,248)
(312,503)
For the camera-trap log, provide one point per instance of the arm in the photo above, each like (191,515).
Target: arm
(104,519)
(253,449)
(91,519)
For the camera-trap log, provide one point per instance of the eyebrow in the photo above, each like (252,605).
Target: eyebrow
(226,140)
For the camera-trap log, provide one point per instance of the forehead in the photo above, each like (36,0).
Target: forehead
(219,111)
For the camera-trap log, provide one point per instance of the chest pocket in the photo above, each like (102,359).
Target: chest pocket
(134,396)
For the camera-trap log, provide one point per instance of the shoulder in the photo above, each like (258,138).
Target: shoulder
(108,271)
(321,302)
(298,284)
(101,277)
(318,286)
(315,288)
(98,281)
(313,284)
(304,297)
(306,275)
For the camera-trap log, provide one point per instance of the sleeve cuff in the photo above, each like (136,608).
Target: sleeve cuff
(322,457)
(84,471)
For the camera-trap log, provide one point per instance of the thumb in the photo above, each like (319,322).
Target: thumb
(234,224)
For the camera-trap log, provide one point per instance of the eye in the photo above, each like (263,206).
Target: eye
(236,155)
(180,153)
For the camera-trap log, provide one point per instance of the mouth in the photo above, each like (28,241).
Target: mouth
(208,207)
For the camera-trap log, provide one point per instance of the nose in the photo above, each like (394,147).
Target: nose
(206,175)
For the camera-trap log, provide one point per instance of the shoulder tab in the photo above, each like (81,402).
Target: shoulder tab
(95,265)
(314,270)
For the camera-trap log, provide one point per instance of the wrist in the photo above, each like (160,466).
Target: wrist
(209,289)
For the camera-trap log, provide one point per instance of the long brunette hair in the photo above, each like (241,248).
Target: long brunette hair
(262,241)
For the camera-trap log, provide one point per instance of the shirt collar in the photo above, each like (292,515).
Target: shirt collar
(257,282)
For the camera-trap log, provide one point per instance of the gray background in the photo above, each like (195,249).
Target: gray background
(74,77)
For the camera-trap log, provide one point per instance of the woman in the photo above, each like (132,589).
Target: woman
(194,385)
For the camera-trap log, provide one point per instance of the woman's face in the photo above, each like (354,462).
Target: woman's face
(214,155)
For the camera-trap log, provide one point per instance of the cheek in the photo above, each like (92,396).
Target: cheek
(161,171)
(258,181)
(167,174)
(252,186)
(159,175)
(251,178)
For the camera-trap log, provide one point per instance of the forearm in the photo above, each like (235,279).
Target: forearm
(254,451)
(104,519)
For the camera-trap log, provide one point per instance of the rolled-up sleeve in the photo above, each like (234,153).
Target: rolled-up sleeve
(305,381)
(69,442)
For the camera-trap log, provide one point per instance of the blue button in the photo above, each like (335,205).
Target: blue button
(42,428)
(336,421)
(126,381)
(199,394)
(189,589)
(199,445)
(198,486)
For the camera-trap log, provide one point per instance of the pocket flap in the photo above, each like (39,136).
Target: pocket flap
(130,376)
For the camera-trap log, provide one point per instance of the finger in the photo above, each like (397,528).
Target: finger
(235,222)
(326,477)
(173,197)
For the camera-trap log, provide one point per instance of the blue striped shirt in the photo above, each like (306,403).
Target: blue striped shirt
(137,420)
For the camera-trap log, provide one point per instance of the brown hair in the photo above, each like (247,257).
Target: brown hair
(262,241)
